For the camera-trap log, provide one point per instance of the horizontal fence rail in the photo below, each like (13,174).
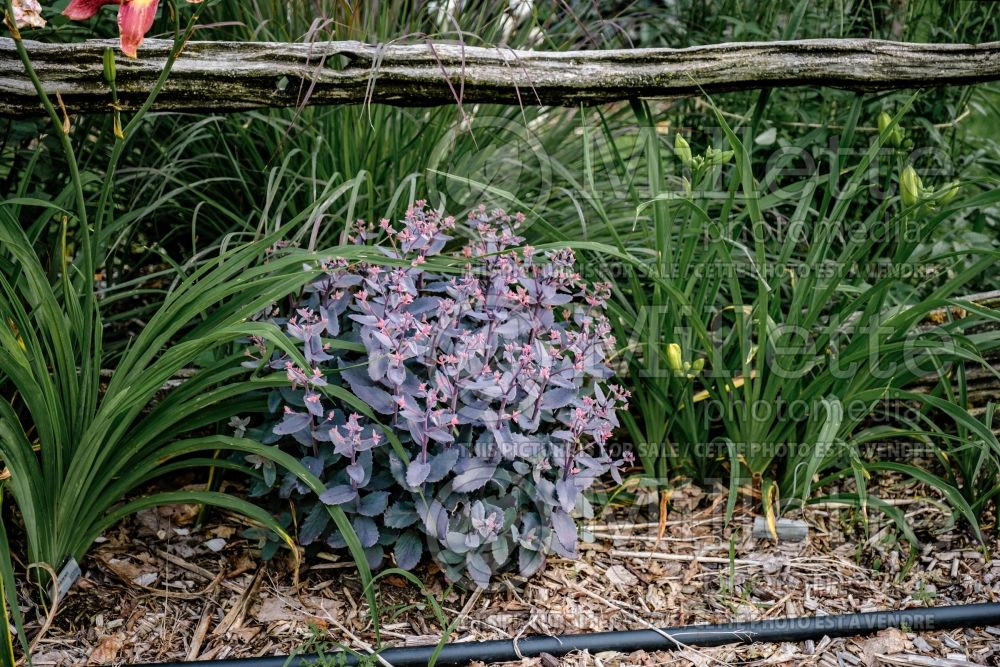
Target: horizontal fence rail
(234,76)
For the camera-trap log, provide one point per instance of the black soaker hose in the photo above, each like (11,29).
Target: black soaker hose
(778,630)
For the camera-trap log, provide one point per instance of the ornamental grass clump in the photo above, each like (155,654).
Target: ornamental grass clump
(484,378)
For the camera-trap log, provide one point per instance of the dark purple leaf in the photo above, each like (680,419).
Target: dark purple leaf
(293,422)
(332,321)
(558,299)
(338,495)
(500,551)
(374,556)
(395,374)
(474,475)
(478,569)
(356,472)
(415,424)
(559,397)
(362,387)
(423,305)
(313,404)
(313,350)
(378,363)
(566,493)
(366,529)
(347,280)
(565,531)
(434,517)
(374,503)
(409,548)
(457,542)
(417,473)
(303,437)
(313,525)
(270,473)
(441,434)
(313,465)
(442,464)
(397,469)
(401,515)
(529,561)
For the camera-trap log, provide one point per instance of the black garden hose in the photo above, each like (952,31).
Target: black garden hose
(626,641)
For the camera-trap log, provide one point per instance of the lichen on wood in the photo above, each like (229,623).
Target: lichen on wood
(233,76)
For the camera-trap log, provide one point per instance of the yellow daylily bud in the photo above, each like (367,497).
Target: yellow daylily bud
(948,193)
(713,157)
(910,187)
(683,149)
(674,360)
(884,120)
(895,135)
(698,365)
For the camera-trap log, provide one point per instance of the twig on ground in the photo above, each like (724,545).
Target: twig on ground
(656,555)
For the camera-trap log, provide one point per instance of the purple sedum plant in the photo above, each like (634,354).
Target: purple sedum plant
(493,379)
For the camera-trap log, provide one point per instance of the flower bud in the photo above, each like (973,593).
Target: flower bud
(674,360)
(683,149)
(109,66)
(884,120)
(948,192)
(895,136)
(722,157)
(910,187)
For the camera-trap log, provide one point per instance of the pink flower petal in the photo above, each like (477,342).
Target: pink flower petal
(81,10)
(135,18)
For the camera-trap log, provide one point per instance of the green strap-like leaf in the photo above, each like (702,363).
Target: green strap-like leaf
(8,600)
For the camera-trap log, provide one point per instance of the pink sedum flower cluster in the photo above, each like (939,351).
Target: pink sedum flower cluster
(490,365)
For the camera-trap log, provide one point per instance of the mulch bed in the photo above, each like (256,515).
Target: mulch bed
(157,589)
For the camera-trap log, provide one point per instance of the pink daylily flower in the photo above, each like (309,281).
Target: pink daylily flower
(135,18)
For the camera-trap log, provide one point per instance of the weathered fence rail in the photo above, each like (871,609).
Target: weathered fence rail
(231,76)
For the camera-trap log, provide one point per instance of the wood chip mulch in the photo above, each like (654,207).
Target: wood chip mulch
(157,589)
